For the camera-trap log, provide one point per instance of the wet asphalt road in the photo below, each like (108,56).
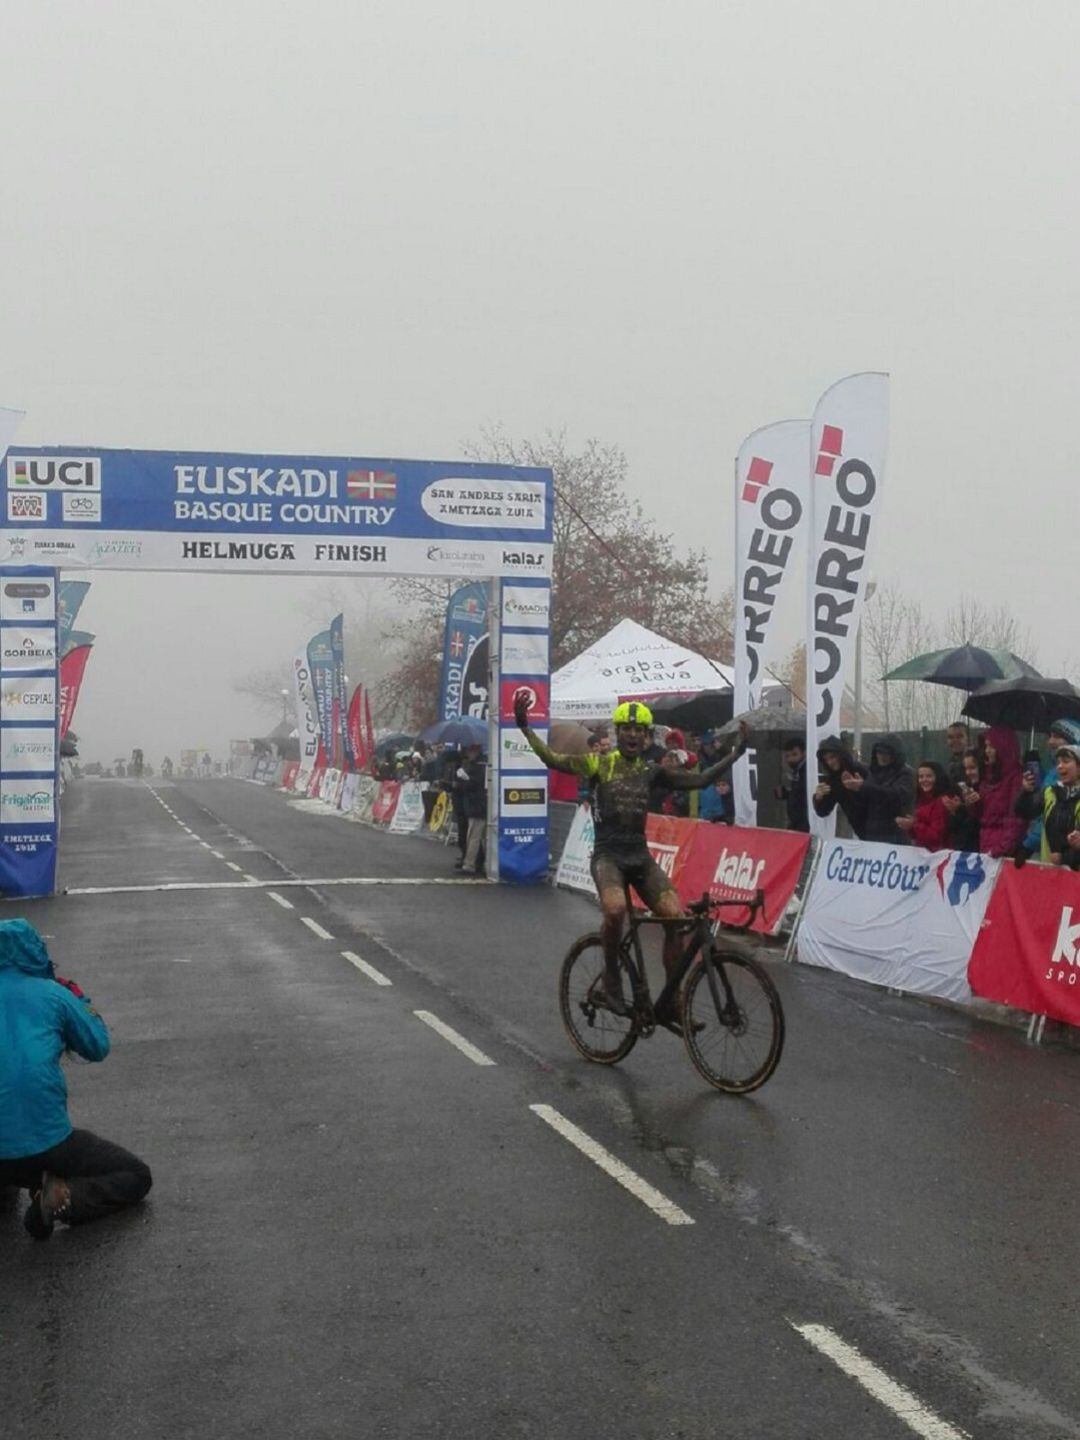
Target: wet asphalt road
(356,1230)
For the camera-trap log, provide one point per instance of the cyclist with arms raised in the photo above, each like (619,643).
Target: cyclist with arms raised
(623,782)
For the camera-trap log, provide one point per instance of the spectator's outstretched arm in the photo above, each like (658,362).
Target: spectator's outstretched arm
(84,1030)
(702,779)
(826,805)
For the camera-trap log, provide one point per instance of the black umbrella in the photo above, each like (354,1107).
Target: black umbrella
(965,667)
(700,712)
(1028,703)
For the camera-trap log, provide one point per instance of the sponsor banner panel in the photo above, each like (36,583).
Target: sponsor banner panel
(289,774)
(771,478)
(669,838)
(84,547)
(31,598)
(315,782)
(27,648)
(409,811)
(573,871)
(28,698)
(847,461)
(523,848)
(348,792)
(732,862)
(307,717)
(526,607)
(29,750)
(525,654)
(385,802)
(364,799)
(523,797)
(515,751)
(26,802)
(1027,953)
(539,692)
(896,915)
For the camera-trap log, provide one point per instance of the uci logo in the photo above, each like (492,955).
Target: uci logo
(54,472)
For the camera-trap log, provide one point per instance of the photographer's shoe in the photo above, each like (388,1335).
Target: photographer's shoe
(48,1204)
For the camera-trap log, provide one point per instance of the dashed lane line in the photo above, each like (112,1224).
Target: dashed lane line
(458,1041)
(895,1397)
(251,878)
(629,1179)
(315,927)
(233,866)
(366,969)
(280,900)
(217,854)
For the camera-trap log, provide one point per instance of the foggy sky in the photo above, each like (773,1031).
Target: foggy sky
(375,228)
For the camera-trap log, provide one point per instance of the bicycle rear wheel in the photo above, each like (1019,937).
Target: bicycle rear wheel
(736,1047)
(597,1032)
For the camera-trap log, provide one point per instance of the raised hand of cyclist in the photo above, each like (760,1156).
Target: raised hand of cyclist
(521,709)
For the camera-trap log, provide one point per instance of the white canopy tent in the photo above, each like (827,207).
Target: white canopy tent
(630,663)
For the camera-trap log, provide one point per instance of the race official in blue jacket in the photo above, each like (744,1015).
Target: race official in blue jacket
(72,1175)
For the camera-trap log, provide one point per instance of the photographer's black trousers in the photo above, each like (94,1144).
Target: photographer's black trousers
(103,1177)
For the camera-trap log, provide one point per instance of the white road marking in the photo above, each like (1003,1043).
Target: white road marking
(206,846)
(659,1204)
(233,866)
(251,878)
(315,927)
(903,1404)
(217,854)
(458,1041)
(280,900)
(262,884)
(366,969)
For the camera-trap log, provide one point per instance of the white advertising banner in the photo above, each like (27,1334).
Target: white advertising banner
(28,698)
(525,608)
(847,466)
(364,797)
(30,597)
(517,753)
(896,915)
(573,870)
(409,812)
(307,717)
(348,792)
(27,802)
(28,750)
(771,483)
(27,648)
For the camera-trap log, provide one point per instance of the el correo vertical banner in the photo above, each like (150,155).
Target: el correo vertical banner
(847,466)
(307,719)
(770,504)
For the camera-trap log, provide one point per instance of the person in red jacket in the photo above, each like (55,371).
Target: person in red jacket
(929,826)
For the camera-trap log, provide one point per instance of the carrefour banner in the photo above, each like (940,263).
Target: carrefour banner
(466,629)
(847,457)
(29,742)
(770,501)
(896,915)
(171,510)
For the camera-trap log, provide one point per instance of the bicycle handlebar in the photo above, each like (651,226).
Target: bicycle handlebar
(707,903)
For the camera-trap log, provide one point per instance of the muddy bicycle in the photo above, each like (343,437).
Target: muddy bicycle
(727,1007)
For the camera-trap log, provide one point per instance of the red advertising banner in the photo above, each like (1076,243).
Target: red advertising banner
(538,691)
(289,774)
(730,862)
(382,811)
(356,734)
(1027,953)
(315,780)
(72,669)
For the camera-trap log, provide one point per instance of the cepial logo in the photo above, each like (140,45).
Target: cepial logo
(832,447)
(758,475)
(54,472)
(1067,944)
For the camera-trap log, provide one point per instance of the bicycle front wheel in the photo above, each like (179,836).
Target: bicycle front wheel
(735,1046)
(597,1032)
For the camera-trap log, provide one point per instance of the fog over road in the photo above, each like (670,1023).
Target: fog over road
(377,1206)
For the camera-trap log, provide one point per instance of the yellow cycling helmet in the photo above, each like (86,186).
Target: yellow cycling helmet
(632,712)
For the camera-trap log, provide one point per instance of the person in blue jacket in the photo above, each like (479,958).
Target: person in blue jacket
(72,1175)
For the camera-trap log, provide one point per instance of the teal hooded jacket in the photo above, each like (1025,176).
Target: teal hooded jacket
(39,1019)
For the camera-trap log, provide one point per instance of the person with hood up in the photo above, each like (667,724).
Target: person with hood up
(1061,732)
(929,826)
(1059,805)
(887,790)
(838,768)
(1000,828)
(72,1175)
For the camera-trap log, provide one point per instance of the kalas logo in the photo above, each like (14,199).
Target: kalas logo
(526,559)
(54,472)
(738,872)
(1067,945)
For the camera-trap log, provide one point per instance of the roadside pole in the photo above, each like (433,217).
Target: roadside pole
(494,735)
